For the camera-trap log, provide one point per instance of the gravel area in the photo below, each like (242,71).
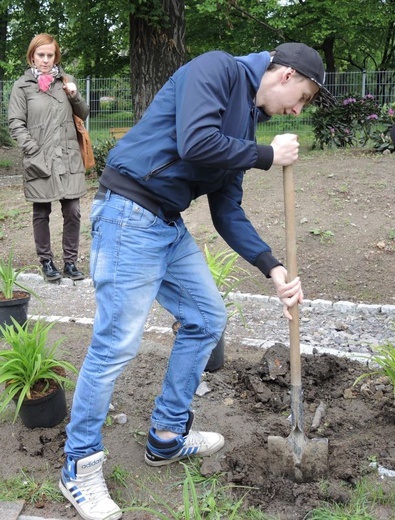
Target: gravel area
(342,327)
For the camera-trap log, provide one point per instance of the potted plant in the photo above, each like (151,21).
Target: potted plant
(14,296)
(34,379)
(226,273)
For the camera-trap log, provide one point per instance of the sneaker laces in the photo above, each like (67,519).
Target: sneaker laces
(94,487)
(195,439)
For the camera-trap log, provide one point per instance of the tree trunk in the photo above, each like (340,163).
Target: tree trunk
(327,47)
(155,53)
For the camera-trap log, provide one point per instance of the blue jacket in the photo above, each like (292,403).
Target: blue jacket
(196,138)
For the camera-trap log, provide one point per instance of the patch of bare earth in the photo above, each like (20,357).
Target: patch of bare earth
(352,196)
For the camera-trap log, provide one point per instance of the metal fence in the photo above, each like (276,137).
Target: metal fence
(111,104)
(109,100)
(380,84)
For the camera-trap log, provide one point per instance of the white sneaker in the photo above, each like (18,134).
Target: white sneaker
(83,484)
(201,444)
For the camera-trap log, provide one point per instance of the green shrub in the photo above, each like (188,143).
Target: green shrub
(351,122)
(5,138)
(381,137)
(100,151)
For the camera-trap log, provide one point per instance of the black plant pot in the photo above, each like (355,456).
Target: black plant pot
(45,412)
(217,357)
(16,307)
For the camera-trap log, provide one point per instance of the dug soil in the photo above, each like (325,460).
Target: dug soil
(346,245)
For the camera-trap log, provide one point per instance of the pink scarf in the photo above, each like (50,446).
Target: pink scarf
(44,82)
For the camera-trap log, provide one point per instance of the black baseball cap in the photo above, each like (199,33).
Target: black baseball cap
(308,62)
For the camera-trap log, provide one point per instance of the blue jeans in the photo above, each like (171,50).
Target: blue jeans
(135,258)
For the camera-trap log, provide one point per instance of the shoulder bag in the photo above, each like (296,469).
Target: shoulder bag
(84,140)
(85,143)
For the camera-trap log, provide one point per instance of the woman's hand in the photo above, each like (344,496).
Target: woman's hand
(290,293)
(70,89)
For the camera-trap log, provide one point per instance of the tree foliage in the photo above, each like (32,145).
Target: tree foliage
(148,40)
(349,35)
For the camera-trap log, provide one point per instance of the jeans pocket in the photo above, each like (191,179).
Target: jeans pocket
(140,217)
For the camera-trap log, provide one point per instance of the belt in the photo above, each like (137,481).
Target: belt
(101,193)
(156,210)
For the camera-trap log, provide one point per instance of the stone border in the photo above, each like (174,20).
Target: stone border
(321,305)
(343,307)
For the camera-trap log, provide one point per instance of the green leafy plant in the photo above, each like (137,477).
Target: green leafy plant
(325,236)
(33,490)
(364,503)
(9,277)
(29,366)
(213,503)
(227,274)
(384,359)
(6,163)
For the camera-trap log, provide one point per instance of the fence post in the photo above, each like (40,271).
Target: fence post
(363,82)
(88,94)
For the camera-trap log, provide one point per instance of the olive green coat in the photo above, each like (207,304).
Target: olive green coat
(42,124)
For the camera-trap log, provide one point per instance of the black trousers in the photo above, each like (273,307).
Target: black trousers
(71,229)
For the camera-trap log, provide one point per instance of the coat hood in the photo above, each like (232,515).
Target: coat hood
(255,65)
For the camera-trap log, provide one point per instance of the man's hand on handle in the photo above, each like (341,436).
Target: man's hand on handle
(290,293)
(285,149)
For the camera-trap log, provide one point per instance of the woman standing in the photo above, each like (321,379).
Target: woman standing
(40,118)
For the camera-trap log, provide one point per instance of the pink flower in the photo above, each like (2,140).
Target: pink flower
(349,100)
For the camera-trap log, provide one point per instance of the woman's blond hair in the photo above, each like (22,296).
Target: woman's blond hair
(37,41)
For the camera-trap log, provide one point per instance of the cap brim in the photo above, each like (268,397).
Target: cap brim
(324,99)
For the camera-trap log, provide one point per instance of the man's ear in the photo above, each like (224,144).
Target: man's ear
(287,74)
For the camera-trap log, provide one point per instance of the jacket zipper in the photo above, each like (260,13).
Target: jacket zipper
(160,169)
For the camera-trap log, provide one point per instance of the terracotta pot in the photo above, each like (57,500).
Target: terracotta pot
(17,308)
(44,412)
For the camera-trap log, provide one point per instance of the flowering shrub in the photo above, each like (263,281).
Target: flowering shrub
(382,141)
(351,122)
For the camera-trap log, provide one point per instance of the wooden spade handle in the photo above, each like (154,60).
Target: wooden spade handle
(290,243)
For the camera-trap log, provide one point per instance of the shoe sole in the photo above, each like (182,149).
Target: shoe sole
(52,278)
(165,462)
(68,496)
(73,277)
